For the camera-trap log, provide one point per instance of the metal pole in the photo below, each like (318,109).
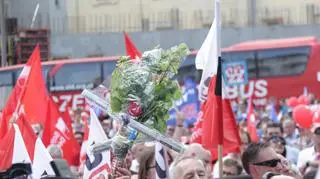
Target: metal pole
(3,33)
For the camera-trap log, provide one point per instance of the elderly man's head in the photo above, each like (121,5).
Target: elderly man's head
(188,167)
(288,127)
(55,151)
(196,150)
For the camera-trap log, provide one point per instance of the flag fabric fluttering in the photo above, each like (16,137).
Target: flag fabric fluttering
(14,150)
(20,112)
(216,107)
(131,49)
(41,162)
(13,106)
(58,131)
(161,162)
(206,57)
(251,122)
(20,152)
(97,164)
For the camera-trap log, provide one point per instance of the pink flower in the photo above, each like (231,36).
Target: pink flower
(135,109)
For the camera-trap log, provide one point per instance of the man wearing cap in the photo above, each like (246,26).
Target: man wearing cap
(310,157)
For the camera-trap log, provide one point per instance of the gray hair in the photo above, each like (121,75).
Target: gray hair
(55,151)
(173,167)
(287,121)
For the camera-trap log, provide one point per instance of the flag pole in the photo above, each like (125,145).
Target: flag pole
(220,160)
(219,76)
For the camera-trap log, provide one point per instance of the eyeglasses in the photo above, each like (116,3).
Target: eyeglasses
(269,163)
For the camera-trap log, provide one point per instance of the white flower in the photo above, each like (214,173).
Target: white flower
(155,53)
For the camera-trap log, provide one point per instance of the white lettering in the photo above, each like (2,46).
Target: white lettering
(247,94)
(258,89)
(231,92)
(77,100)
(65,101)
(261,88)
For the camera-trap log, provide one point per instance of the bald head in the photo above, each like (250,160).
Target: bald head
(186,167)
(196,150)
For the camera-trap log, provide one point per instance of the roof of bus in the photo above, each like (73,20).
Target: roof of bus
(272,43)
(244,46)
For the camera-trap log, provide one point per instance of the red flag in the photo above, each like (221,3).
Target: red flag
(211,134)
(10,152)
(131,49)
(28,134)
(35,96)
(6,149)
(251,126)
(15,99)
(58,130)
(196,136)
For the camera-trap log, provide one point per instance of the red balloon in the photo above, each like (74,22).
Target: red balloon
(303,100)
(292,102)
(303,116)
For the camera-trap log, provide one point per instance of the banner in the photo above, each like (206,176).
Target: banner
(189,104)
(235,72)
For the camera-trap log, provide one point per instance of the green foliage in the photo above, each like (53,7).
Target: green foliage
(149,83)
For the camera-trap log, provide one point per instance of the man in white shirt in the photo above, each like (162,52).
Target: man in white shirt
(310,157)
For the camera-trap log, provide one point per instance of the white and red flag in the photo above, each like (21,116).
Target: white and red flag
(218,123)
(99,163)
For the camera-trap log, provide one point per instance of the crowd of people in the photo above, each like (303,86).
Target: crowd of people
(284,147)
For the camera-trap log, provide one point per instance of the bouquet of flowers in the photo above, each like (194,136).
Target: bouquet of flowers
(145,89)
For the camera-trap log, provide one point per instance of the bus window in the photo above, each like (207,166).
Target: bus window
(4,94)
(6,78)
(45,71)
(281,62)
(248,56)
(76,74)
(108,68)
(5,86)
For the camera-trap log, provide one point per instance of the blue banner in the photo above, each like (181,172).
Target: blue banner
(235,72)
(189,104)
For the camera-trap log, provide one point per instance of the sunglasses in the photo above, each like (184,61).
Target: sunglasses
(269,163)
(317,131)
